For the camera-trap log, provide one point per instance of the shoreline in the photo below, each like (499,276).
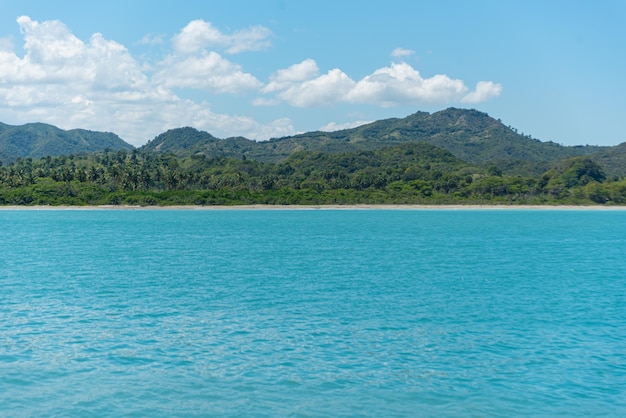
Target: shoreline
(320,207)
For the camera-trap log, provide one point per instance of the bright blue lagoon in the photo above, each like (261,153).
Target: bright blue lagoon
(312,313)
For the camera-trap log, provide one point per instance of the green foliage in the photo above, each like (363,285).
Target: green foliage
(470,135)
(176,140)
(36,140)
(453,156)
(574,172)
(408,173)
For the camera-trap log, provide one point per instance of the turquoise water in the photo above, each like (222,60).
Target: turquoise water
(312,313)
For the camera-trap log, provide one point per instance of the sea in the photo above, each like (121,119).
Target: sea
(312,313)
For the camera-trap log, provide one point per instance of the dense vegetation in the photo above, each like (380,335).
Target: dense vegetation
(408,173)
(36,140)
(472,136)
(454,156)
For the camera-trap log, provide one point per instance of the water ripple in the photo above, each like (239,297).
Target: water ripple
(320,313)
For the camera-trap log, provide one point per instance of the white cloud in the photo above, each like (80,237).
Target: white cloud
(484,91)
(283,79)
(50,41)
(301,85)
(402,84)
(199,115)
(137,121)
(6,44)
(327,89)
(99,85)
(401,52)
(199,35)
(55,56)
(208,71)
(399,84)
(333,126)
(276,129)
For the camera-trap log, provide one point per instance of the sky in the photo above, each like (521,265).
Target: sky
(552,69)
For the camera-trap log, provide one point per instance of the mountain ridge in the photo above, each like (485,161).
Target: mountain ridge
(37,140)
(471,135)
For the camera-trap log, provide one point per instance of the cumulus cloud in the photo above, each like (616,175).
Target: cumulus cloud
(283,79)
(484,91)
(199,115)
(402,84)
(207,71)
(199,34)
(99,85)
(55,56)
(68,82)
(276,129)
(301,85)
(324,90)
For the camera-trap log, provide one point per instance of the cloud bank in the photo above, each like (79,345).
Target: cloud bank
(199,35)
(302,85)
(98,84)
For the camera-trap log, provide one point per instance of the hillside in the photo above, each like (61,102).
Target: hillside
(612,159)
(36,140)
(406,173)
(470,135)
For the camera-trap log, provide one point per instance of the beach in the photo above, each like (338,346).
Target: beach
(320,207)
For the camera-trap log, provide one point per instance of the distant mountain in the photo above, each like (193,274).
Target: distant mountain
(470,135)
(612,160)
(37,140)
(188,141)
(181,141)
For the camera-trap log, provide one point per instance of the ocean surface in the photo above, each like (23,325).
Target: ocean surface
(320,313)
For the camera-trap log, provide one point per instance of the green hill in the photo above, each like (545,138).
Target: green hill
(470,135)
(187,141)
(37,140)
(612,160)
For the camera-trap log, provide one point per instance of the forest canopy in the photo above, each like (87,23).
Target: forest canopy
(409,173)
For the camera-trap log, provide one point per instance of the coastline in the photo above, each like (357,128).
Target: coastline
(321,207)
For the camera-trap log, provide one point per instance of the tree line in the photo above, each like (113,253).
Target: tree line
(410,173)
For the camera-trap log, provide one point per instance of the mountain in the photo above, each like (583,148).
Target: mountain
(612,160)
(470,135)
(187,141)
(37,140)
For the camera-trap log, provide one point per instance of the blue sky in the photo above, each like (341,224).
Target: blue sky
(552,69)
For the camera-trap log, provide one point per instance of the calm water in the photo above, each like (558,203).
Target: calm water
(312,313)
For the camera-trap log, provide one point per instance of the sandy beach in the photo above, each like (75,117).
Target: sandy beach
(321,207)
